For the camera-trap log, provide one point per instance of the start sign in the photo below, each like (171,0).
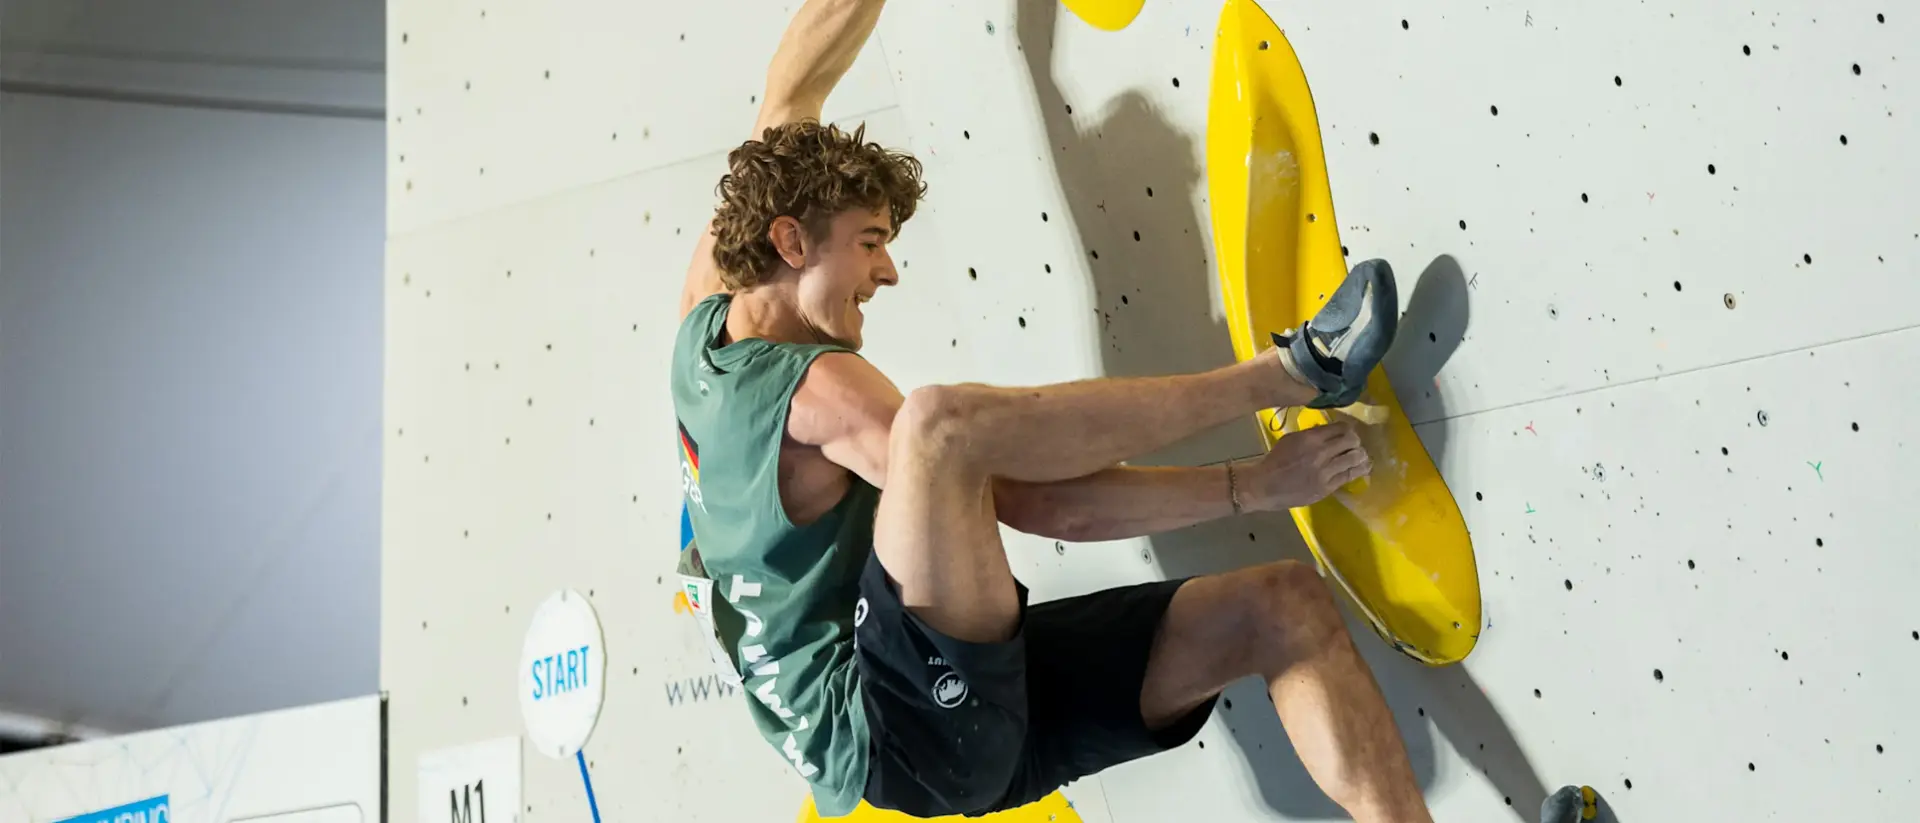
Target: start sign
(562,674)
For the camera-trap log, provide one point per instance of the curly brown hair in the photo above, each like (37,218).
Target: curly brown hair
(811,172)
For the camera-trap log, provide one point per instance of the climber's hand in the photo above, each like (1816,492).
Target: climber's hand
(1305,466)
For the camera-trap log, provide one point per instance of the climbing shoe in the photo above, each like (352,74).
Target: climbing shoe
(1339,347)
(1571,804)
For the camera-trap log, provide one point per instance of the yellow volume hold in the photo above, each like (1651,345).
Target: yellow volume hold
(1394,542)
(1110,15)
(1053,808)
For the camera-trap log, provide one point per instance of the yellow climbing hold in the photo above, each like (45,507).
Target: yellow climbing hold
(1395,541)
(1111,15)
(1053,808)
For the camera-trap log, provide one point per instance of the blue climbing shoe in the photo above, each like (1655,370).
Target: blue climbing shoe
(1339,347)
(1571,804)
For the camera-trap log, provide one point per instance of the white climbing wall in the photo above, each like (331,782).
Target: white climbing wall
(1659,266)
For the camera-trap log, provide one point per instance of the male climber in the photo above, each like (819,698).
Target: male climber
(890,653)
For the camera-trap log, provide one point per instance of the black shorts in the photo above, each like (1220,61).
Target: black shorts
(971,728)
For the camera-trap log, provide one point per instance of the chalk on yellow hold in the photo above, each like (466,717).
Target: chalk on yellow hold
(1053,808)
(1111,15)
(1368,413)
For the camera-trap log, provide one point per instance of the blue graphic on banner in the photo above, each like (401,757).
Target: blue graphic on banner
(686,527)
(150,810)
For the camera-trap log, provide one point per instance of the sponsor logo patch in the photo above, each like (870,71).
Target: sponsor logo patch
(949,691)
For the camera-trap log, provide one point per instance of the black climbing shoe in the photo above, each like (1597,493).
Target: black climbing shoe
(1571,804)
(1339,347)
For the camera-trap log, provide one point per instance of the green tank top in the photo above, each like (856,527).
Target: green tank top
(782,596)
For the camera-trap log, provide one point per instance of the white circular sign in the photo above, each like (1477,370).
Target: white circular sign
(562,674)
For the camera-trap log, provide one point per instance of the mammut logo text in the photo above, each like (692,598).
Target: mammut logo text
(764,674)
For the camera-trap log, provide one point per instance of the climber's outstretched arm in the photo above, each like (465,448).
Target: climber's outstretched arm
(819,45)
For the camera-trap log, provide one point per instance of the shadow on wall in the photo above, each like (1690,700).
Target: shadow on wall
(1131,178)
(1433,323)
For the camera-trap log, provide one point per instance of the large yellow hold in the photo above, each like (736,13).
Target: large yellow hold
(1111,15)
(1053,808)
(1394,542)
